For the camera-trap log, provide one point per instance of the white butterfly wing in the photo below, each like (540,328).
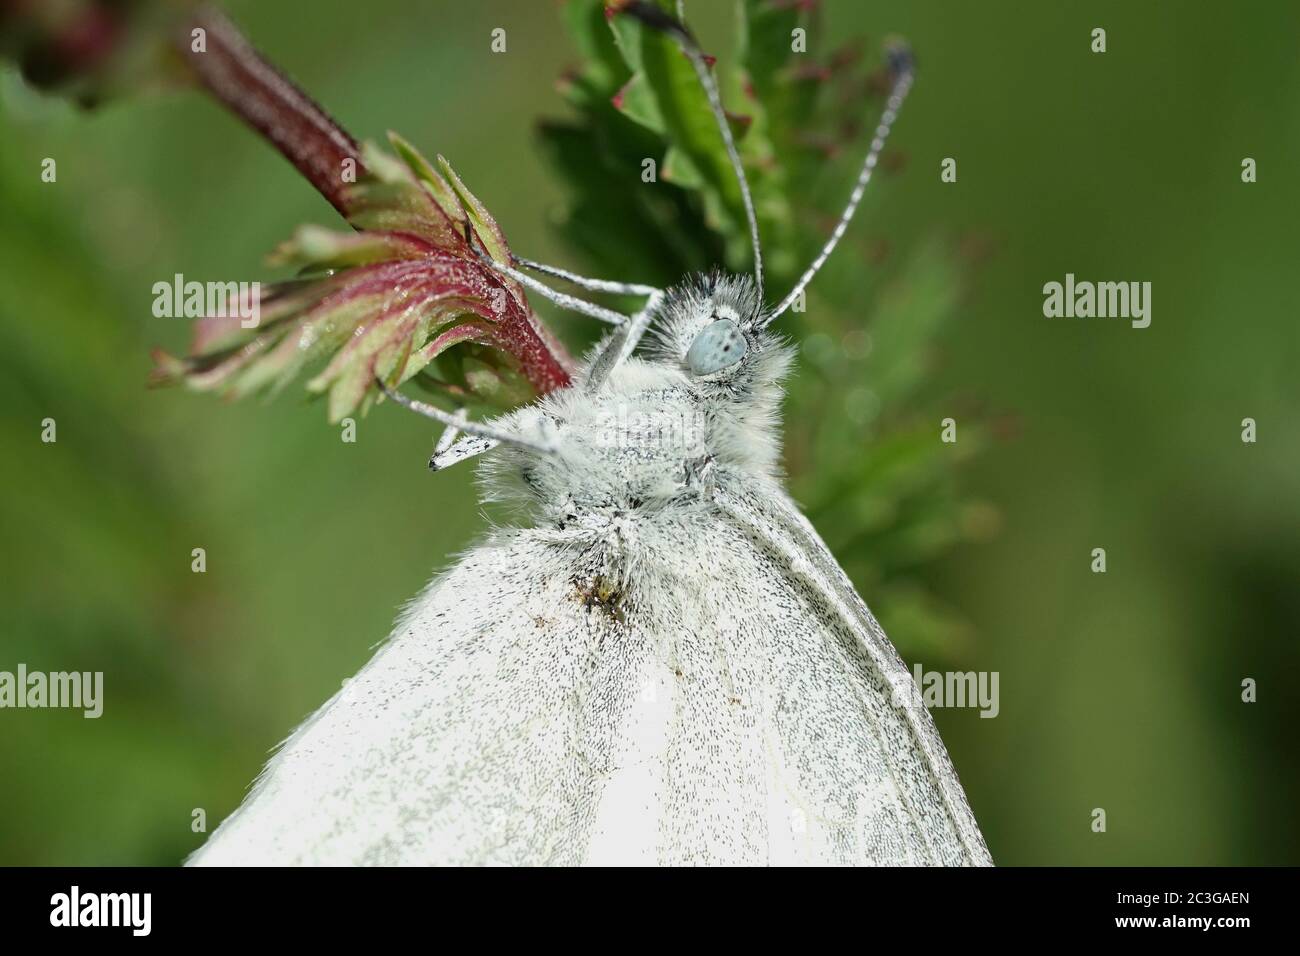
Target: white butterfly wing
(732,702)
(862,771)
(459,742)
(766,726)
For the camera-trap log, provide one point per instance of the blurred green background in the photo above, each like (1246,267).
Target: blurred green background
(1119,691)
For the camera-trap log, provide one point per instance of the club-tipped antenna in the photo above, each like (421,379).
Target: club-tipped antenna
(901,66)
(458,420)
(655,18)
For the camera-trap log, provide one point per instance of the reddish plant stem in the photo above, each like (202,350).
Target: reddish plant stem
(264,98)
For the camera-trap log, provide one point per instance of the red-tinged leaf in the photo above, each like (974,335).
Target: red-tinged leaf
(468,332)
(382,303)
(494,240)
(319,248)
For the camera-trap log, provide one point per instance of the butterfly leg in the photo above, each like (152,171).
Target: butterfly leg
(623,343)
(449,452)
(472,429)
(630,328)
(565,301)
(562,299)
(449,435)
(583,282)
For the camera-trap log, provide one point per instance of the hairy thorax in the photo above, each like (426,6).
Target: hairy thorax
(625,449)
(649,440)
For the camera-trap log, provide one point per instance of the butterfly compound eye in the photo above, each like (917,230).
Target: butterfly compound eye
(719,345)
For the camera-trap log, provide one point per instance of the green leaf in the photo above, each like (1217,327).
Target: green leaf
(691,126)
(637,101)
(867,461)
(603,65)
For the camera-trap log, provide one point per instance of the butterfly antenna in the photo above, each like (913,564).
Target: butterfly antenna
(901,66)
(657,19)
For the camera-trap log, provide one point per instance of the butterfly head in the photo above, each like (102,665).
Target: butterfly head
(713,328)
(707,395)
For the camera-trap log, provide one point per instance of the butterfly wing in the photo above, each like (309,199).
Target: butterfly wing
(766,722)
(725,697)
(459,742)
(862,769)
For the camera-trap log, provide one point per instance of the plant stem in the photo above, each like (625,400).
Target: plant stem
(264,98)
(269,102)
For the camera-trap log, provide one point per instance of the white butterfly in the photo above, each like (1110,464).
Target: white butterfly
(664,665)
